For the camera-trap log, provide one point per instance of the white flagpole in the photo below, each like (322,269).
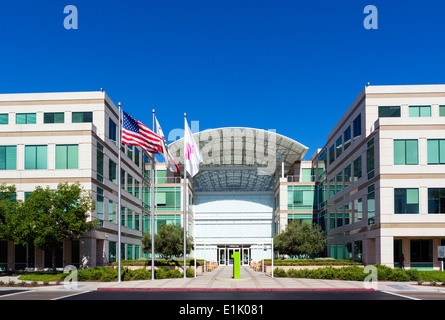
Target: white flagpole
(185,201)
(153,169)
(119,199)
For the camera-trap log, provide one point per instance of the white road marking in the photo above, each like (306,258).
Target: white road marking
(401,295)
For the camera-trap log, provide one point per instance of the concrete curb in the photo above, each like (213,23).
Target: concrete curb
(235,289)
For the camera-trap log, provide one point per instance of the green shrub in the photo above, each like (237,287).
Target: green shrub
(353,273)
(398,275)
(175,273)
(279,273)
(190,273)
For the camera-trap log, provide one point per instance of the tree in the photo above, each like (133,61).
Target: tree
(169,241)
(49,216)
(300,238)
(8,207)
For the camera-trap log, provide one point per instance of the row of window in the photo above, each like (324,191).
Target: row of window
(36,157)
(406,201)
(48,117)
(413,111)
(406,151)
(344,141)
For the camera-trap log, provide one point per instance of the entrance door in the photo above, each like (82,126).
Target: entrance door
(222,256)
(230,251)
(246,256)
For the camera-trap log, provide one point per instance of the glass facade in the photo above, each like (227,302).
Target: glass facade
(8,157)
(67,156)
(53,117)
(301,197)
(406,152)
(406,200)
(36,157)
(436,151)
(25,118)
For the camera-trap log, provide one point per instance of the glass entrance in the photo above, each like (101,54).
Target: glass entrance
(225,255)
(222,256)
(245,256)
(230,252)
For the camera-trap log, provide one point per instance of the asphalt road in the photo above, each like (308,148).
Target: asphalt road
(198,296)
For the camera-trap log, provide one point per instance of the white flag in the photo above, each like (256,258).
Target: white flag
(192,154)
(170,162)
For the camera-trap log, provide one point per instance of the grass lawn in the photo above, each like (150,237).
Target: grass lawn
(41,276)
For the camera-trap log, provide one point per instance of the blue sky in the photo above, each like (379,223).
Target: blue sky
(292,66)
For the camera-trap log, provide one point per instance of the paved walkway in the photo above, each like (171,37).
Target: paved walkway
(221,279)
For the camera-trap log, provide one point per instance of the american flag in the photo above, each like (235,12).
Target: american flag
(136,133)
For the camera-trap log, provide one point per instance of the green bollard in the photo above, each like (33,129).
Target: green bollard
(236,265)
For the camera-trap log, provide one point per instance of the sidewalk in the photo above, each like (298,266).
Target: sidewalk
(221,279)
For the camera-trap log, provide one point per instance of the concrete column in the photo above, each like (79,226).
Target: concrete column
(385,249)
(87,252)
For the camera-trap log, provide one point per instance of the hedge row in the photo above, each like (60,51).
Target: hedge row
(355,273)
(309,262)
(159,262)
(106,274)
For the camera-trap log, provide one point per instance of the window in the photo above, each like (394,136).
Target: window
(332,218)
(129,183)
(436,200)
(67,156)
(406,152)
(338,146)
(112,211)
(130,218)
(406,200)
(100,162)
(339,183)
(441,111)
(331,154)
(136,156)
(36,157)
(299,218)
(25,118)
(421,250)
(112,132)
(347,213)
(8,157)
(136,189)
(161,176)
(53,117)
(436,151)
(420,111)
(4,119)
(332,187)
(357,168)
(339,217)
(100,204)
(174,219)
(357,127)
(168,199)
(347,176)
(370,158)
(358,210)
(112,171)
(371,205)
(389,112)
(79,117)
(347,137)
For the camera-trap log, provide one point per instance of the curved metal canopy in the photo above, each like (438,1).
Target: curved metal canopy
(237,158)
